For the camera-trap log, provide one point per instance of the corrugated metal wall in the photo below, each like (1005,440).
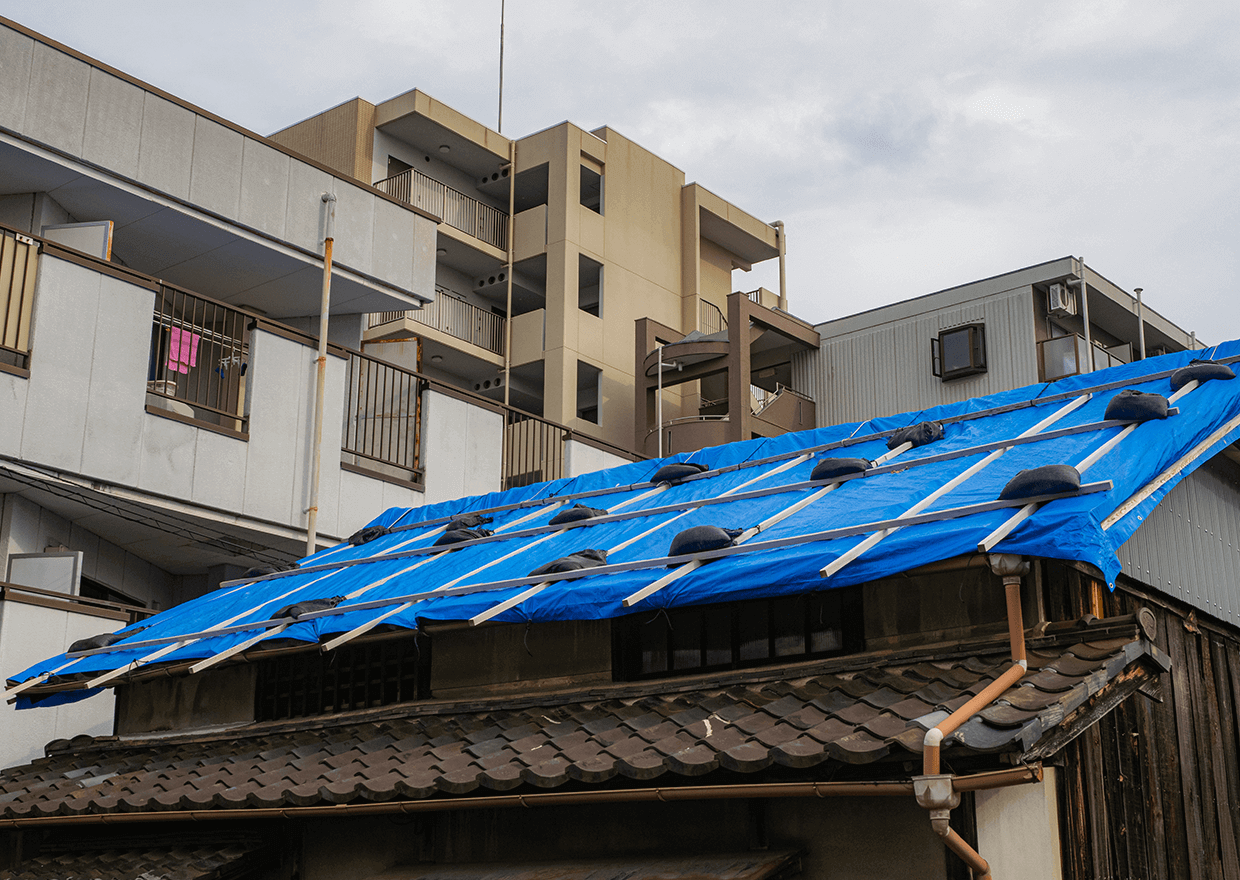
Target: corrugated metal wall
(1189,546)
(885,369)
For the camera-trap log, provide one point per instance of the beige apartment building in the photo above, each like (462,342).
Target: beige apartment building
(541,275)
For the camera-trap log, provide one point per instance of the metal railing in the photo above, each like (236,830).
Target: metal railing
(1066,356)
(453,316)
(455,208)
(383,415)
(199,355)
(19,260)
(533,449)
(710,318)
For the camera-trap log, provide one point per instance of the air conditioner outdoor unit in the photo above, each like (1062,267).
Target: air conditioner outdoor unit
(1061,300)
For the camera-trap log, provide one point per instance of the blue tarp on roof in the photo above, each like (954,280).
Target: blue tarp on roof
(1067,528)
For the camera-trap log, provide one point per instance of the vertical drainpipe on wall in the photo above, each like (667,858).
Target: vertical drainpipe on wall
(1089,339)
(1140,324)
(935,791)
(312,512)
(783,249)
(512,223)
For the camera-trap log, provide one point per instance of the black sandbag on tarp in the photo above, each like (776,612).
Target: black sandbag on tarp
(1051,479)
(1202,371)
(460,536)
(1136,406)
(674,473)
(307,607)
(576,513)
(468,521)
(573,562)
(840,467)
(102,640)
(366,535)
(699,539)
(918,435)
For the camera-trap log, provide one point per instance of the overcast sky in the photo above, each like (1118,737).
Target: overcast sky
(908,146)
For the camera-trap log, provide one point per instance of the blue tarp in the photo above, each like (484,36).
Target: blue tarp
(1069,528)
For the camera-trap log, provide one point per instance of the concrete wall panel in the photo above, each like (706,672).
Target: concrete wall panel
(16,51)
(219,471)
(462,445)
(168,454)
(122,340)
(65,309)
(581,458)
(305,224)
(113,123)
(215,173)
(355,226)
(27,635)
(394,228)
(1018,830)
(167,139)
(264,188)
(13,404)
(56,106)
(279,367)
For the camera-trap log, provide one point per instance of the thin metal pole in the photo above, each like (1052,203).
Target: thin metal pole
(1140,324)
(1089,339)
(499,125)
(783,281)
(312,513)
(512,200)
(658,402)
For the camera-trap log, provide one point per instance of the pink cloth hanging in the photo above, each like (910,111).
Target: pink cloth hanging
(182,350)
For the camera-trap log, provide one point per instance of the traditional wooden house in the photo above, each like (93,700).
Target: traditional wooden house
(901,647)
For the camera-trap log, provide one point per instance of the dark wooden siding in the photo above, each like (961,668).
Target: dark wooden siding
(1153,789)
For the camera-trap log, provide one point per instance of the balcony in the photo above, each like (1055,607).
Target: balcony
(458,210)
(18,263)
(456,317)
(1066,356)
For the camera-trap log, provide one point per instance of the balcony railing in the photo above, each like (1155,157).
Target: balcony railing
(199,356)
(710,318)
(457,209)
(533,449)
(383,417)
(453,316)
(1066,356)
(19,259)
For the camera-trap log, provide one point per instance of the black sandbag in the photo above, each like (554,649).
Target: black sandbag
(366,535)
(459,536)
(1139,406)
(468,521)
(103,640)
(576,513)
(1202,371)
(263,570)
(918,435)
(1051,479)
(840,467)
(307,607)
(674,473)
(699,539)
(572,562)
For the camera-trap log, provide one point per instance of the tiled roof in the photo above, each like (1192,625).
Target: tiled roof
(201,862)
(744,725)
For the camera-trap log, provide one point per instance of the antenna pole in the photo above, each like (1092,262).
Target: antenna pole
(499,126)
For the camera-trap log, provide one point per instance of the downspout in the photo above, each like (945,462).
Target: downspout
(1089,338)
(312,513)
(783,281)
(512,222)
(1140,323)
(935,790)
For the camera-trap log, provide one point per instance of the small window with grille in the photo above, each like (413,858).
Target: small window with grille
(378,673)
(958,352)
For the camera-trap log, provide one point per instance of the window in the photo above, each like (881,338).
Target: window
(739,634)
(588,379)
(589,285)
(592,188)
(377,673)
(958,352)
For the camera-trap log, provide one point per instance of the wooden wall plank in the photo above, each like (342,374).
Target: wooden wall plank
(1186,747)
(1224,812)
